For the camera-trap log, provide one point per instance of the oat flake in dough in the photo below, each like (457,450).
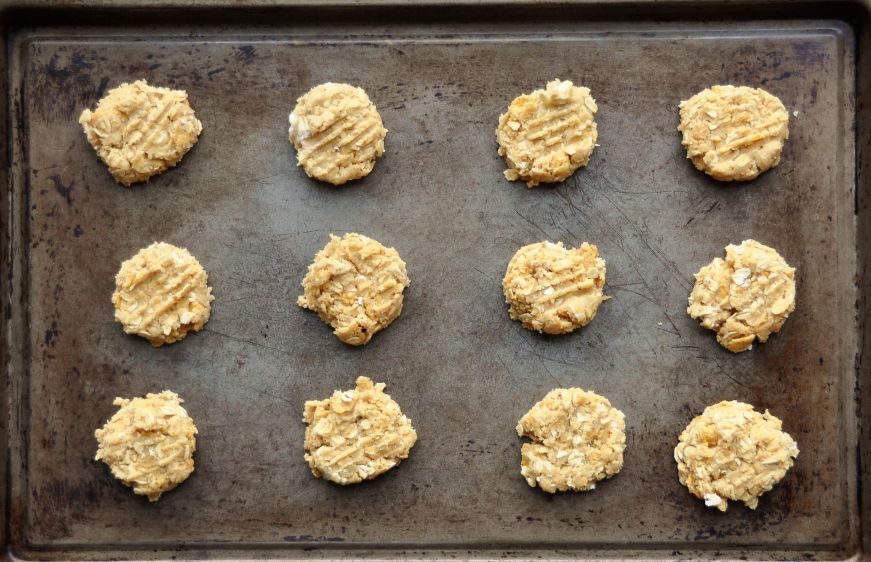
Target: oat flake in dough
(578,439)
(553,289)
(161,294)
(140,131)
(732,452)
(356,435)
(149,443)
(733,133)
(337,133)
(355,284)
(546,135)
(747,296)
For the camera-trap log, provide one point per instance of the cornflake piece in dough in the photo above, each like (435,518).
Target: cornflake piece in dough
(552,289)
(732,452)
(733,133)
(578,439)
(140,131)
(337,133)
(546,135)
(161,294)
(357,434)
(746,297)
(149,443)
(355,285)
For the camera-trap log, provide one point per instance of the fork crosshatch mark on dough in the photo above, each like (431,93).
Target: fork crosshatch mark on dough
(732,452)
(140,131)
(356,435)
(546,135)
(149,443)
(337,133)
(161,294)
(355,284)
(578,440)
(733,133)
(553,289)
(747,296)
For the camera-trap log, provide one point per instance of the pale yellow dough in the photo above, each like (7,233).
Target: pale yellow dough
(140,131)
(553,289)
(357,434)
(355,285)
(733,133)
(161,294)
(546,135)
(732,452)
(744,298)
(578,439)
(337,133)
(149,443)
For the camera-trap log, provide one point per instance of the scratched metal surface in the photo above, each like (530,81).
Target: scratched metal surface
(455,362)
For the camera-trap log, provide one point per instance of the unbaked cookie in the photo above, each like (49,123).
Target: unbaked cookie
(578,439)
(546,135)
(732,452)
(552,289)
(355,285)
(161,294)
(357,434)
(149,443)
(337,133)
(733,133)
(140,131)
(746,297)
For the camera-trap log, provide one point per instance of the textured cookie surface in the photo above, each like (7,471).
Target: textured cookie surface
(357,434)
(149,443)
(337,133)
(733,133)
(578,439)
(553,289)
(355,285)
(732,452)
(161,294)
(546,135)
(747,296)
(140,131)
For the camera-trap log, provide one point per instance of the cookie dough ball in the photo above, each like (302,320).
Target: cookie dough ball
(732,452)
(337,133)
(140,131)
(149,443)
(733,133)
(355,285)
(744,298)
(553,289)
(578,439)
(161,294)
(546,135)
(357,434)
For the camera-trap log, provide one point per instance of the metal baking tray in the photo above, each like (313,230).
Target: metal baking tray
(440,75)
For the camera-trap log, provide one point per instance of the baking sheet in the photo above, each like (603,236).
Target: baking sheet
(455,362)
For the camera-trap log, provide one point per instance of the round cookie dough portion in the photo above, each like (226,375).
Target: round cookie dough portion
(161,294)
(553,289)
(578,439)
(140,131)
(149,443)
(732,452)
(355,285)
(546,135)
(357,434)
(744,298)
(733,133)
(337,133)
